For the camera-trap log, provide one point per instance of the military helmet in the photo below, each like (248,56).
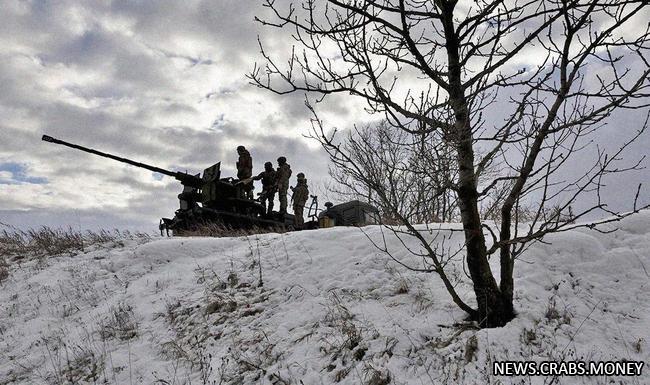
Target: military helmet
(282,160)
(240,148)
(268,165)
(300,175)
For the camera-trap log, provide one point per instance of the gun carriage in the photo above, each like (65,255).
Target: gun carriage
(206,199)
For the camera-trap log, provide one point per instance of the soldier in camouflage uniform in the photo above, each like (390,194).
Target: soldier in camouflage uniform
(283,174)
(245,169)
(299,198)
(269,185)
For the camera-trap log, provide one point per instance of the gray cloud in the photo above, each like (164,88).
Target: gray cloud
(161,82)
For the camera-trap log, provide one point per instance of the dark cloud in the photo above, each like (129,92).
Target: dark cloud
(161,82)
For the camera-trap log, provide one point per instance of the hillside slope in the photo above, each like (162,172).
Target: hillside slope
(331,309)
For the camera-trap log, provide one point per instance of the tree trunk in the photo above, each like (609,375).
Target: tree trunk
(506,262)
(492,310)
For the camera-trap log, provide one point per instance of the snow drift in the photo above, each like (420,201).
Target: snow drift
(315,307)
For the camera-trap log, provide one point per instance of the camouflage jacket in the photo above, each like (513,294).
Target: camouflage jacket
(245,165)
(283,174)
(300,193)
(269,179)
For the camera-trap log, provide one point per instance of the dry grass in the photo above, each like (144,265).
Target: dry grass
(4,269)
(221,230)
(16,244)
(120,323)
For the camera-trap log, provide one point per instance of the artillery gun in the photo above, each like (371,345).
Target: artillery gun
(207,199)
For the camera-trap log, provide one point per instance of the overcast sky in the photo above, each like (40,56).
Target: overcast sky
(162,82)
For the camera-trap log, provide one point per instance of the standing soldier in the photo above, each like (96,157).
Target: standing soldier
(283,174)
(299,198)
(245,169)
(269,184)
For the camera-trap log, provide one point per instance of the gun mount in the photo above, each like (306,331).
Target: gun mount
(207,199)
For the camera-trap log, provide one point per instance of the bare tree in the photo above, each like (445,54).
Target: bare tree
(519,86)
(404,175)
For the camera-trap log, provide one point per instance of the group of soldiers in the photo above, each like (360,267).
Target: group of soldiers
(273,181)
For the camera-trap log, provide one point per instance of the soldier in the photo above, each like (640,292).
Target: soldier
(283,174)
(269,185)
(245,169)
(299,198)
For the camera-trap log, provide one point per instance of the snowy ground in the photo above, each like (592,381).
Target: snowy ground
(332,309)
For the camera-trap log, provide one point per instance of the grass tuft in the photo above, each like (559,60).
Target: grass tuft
(4,269)
(16,244)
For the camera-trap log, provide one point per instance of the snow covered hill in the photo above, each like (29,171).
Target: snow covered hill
(331,309)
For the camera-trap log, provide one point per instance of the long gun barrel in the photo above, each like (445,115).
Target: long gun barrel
(184,178)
